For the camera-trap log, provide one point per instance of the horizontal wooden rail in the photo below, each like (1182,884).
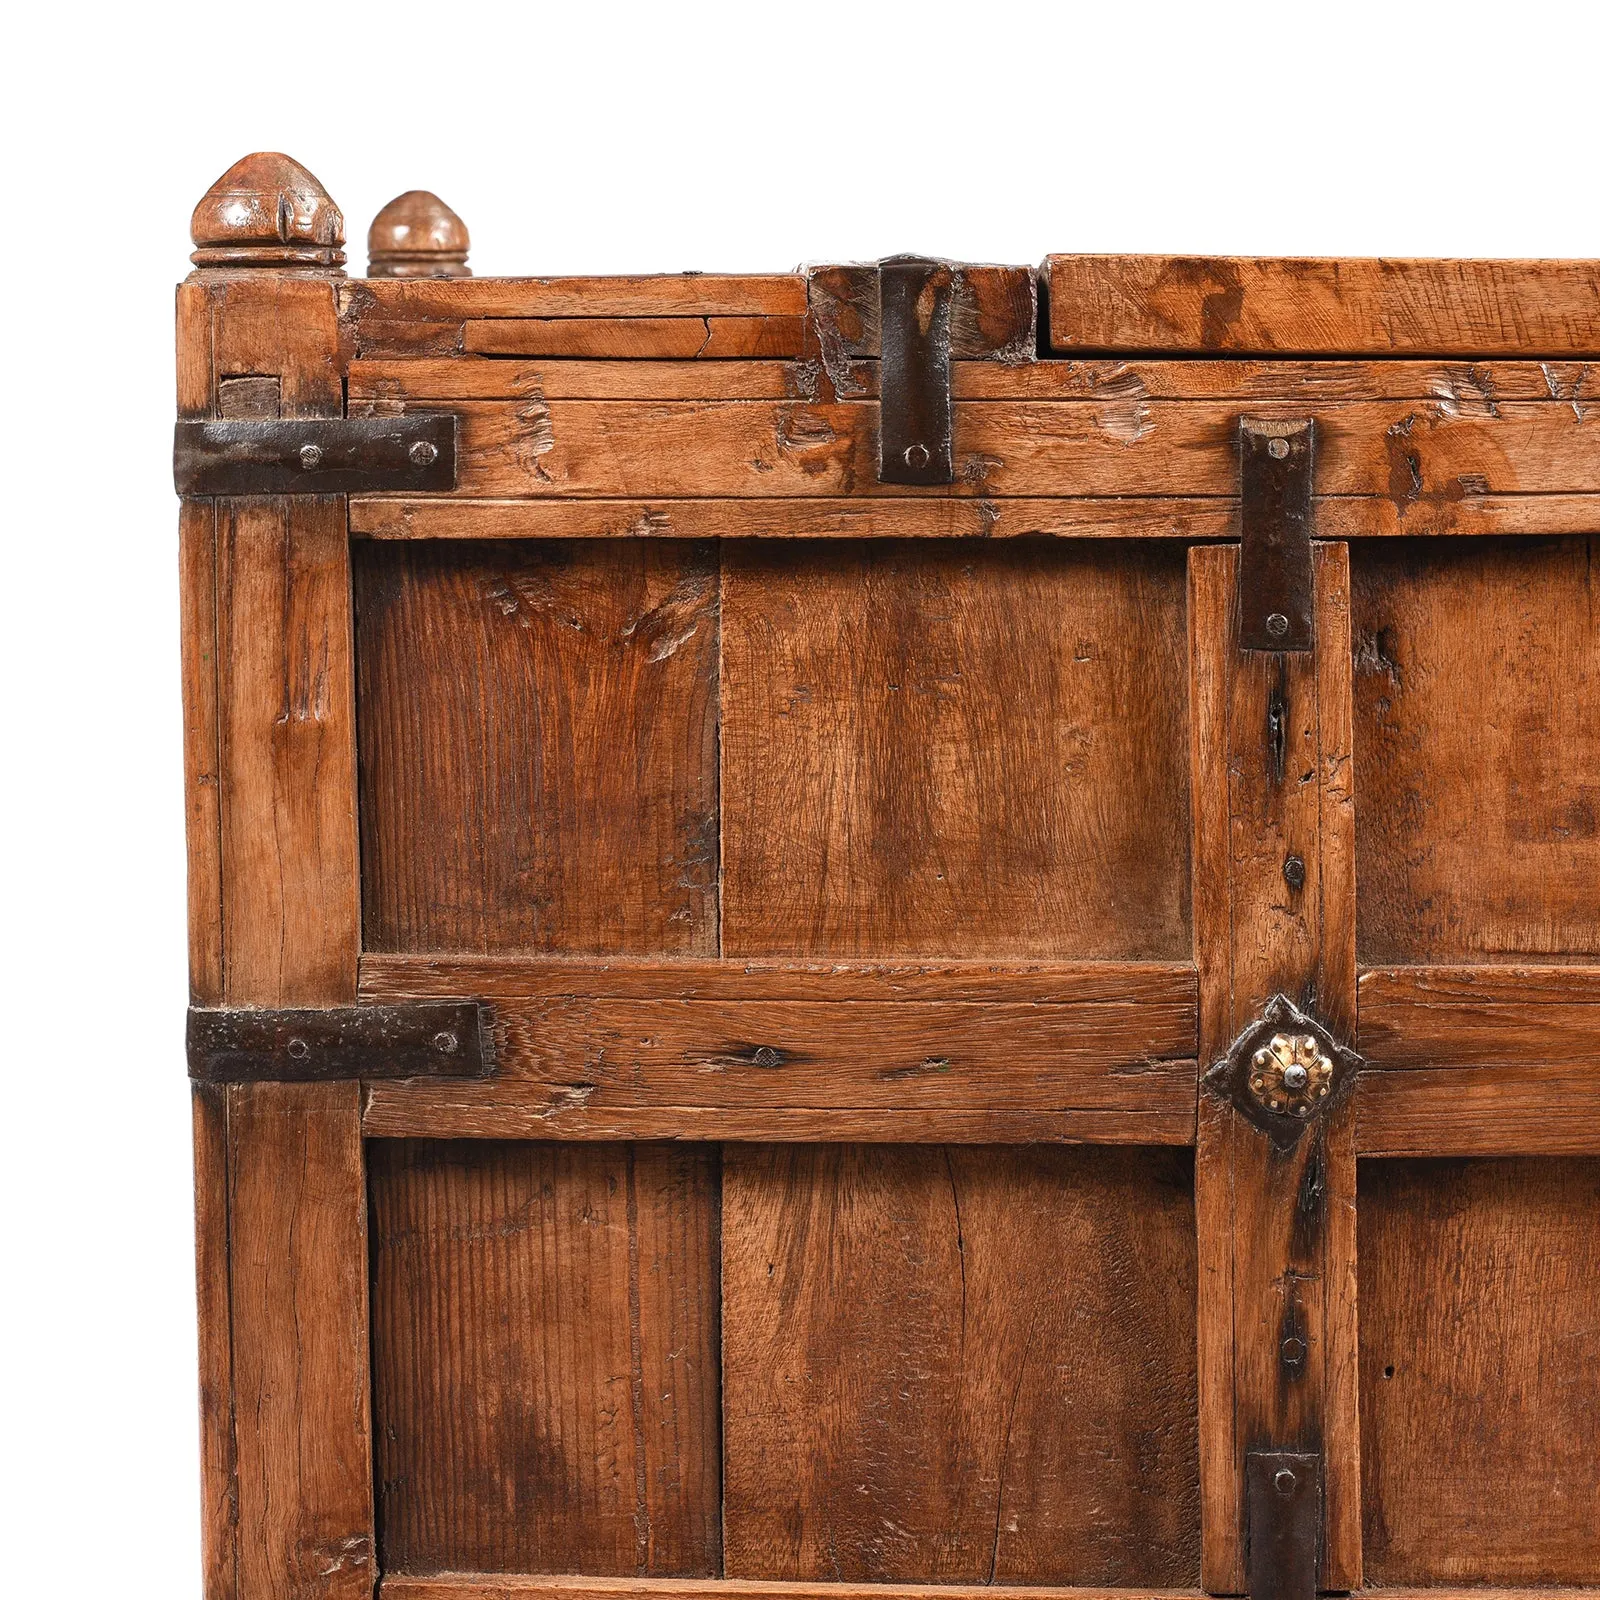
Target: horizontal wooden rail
(960,1053)
(1480,1061)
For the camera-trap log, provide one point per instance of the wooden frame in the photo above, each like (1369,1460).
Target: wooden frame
(1453,399)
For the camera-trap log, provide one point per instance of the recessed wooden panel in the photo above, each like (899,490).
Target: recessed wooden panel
(1480,1370)
(955,750)
(960,1365)
(545,1327)
(538,747)
(1477,750)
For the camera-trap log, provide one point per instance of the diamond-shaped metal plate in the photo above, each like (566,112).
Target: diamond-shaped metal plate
(1283,1071)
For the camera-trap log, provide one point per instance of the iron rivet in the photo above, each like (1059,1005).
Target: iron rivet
(1277,448)
(1294,1351)
(1295,1076)
(298,1048)
(1285,1482)
(1277,623)
(423,453)
(916,455)
(445,1042)
(310,457)
(1294,872)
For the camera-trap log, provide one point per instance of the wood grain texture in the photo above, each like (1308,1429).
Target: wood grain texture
(1324,307)
(1424,457)
(637,338)
(559,1586)
(219,1483)
(298,1266)
(677,294)
(1277,1242)
(197,599)
(1491,1061)
(1466,388)
(936,751)
(538,746)
(959,1365)
(1478,745)
(1186,517)
(546,1349)
(1480,1370)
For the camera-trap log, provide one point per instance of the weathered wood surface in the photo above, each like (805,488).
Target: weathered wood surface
(1468,388)
(959,1053)
(1188,518)
(418,236)
(545,1325)
(538,745)
(1480,1061)
(1234,304)
(637,338)
(676,294)
(197,592)
(219,1483)
(1277,1246)
(1480,1370)
(925,753)
(903,1404)
(559,1586)
(1420,456)
(297,1271)
(1478,741)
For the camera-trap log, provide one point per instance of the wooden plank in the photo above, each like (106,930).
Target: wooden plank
(900,1402)
(296,1205)
(1273,1266)
(637,338)
(677,294)
(1324,307)
(561,1586)
(925,754)
(1484,984)
(545,1324)
(1475,388)
(219,1487)
(538,746)
(1164,986)
(1189,518)
(1506,865)
(1424,457)
(1521,1108)
(197,599)
(1480,1370)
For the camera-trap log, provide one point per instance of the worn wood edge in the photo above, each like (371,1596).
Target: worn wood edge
(499,1586)
(1486,983)
(656,294)
(699,338)
(526,1110)
(1464,387)
(202,753)
(1193,519)
(1520,1110)
(1387,306)
(385,976)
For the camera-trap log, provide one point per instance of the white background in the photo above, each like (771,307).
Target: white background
(572,138)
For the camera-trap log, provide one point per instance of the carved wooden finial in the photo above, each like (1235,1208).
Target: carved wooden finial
(268,211)
(417,236)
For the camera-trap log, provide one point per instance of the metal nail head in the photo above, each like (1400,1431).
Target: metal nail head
(1277,623)
(1277,448)
(1294,872)
(423,453)
(310,457)
(1285,1482)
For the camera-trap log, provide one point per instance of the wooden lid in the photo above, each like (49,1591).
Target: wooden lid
(417,236)
(268,211)
(1240,305)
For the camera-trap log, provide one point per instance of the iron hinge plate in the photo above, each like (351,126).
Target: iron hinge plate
(1283,1504)
(1276,588)
(410,1039)
(915,423)
(316,455)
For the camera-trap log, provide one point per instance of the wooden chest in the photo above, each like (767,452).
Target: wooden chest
(905,924)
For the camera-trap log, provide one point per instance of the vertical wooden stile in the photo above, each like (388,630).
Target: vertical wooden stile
(274,896)
(1271,746)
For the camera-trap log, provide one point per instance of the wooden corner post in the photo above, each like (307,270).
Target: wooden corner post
(269,717)
(1274,915)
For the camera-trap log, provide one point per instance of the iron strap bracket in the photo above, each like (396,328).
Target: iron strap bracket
(320,455)
(1276,588)
(1283,1507)
(411,1039)
(915,445)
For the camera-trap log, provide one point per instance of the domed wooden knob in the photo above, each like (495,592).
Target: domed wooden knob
(268,211)
(417,236)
